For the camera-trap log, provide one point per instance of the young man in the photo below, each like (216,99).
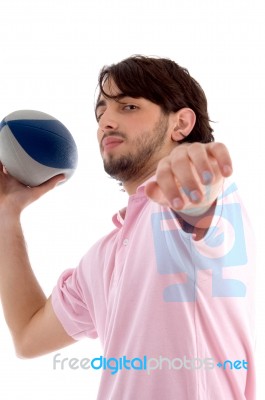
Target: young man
(169,290)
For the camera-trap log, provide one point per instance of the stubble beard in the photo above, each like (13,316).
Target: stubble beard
(133,164)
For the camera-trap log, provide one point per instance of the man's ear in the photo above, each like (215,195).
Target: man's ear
(183,122)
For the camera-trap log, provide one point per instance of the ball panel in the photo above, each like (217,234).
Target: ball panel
(2,124)
(42,140)
(27,114)
(20,165)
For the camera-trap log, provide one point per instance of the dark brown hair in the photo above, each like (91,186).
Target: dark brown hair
(166,84)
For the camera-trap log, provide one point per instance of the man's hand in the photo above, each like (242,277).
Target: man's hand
(14,196)
(190,178)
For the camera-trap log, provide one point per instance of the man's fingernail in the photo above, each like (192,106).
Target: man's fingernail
(195,196)
(207,177)
(177,203)
(60,182)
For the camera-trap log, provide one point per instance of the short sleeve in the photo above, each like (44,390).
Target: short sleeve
(72,306)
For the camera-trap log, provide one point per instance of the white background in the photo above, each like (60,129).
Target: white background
(51,53)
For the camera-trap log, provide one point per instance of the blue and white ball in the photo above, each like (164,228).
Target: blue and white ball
(35,146)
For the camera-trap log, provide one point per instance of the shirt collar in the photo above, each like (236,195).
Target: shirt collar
(118,218)
(141,188)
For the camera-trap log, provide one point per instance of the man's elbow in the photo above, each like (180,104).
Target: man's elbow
(24,350)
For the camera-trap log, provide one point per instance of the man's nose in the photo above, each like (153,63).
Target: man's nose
(108,121)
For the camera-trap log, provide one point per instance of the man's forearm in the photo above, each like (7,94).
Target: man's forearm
(21,295)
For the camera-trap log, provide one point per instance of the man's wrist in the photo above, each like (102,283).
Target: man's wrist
(8,216)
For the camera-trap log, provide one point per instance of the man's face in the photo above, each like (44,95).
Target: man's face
(131,134)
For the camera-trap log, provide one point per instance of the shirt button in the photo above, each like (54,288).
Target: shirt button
(125,242)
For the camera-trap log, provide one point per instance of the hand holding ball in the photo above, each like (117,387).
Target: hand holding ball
(35,146)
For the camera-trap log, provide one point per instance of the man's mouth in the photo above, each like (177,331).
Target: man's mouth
(110,142)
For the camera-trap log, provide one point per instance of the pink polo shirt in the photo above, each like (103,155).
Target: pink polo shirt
(174,315)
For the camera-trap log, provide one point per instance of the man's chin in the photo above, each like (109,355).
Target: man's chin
(121,169)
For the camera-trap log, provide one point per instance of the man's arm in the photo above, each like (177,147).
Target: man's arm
(190,179)
(29,315)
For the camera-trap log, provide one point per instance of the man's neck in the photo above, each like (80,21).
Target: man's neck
(131,185)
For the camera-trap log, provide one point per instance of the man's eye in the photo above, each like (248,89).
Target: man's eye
(130,107)
(98,117)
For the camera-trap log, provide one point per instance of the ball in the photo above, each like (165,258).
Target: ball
(35,146)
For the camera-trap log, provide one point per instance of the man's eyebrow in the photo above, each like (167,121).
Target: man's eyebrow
(103,103)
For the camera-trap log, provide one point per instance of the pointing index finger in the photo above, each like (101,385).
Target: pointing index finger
(222,156)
